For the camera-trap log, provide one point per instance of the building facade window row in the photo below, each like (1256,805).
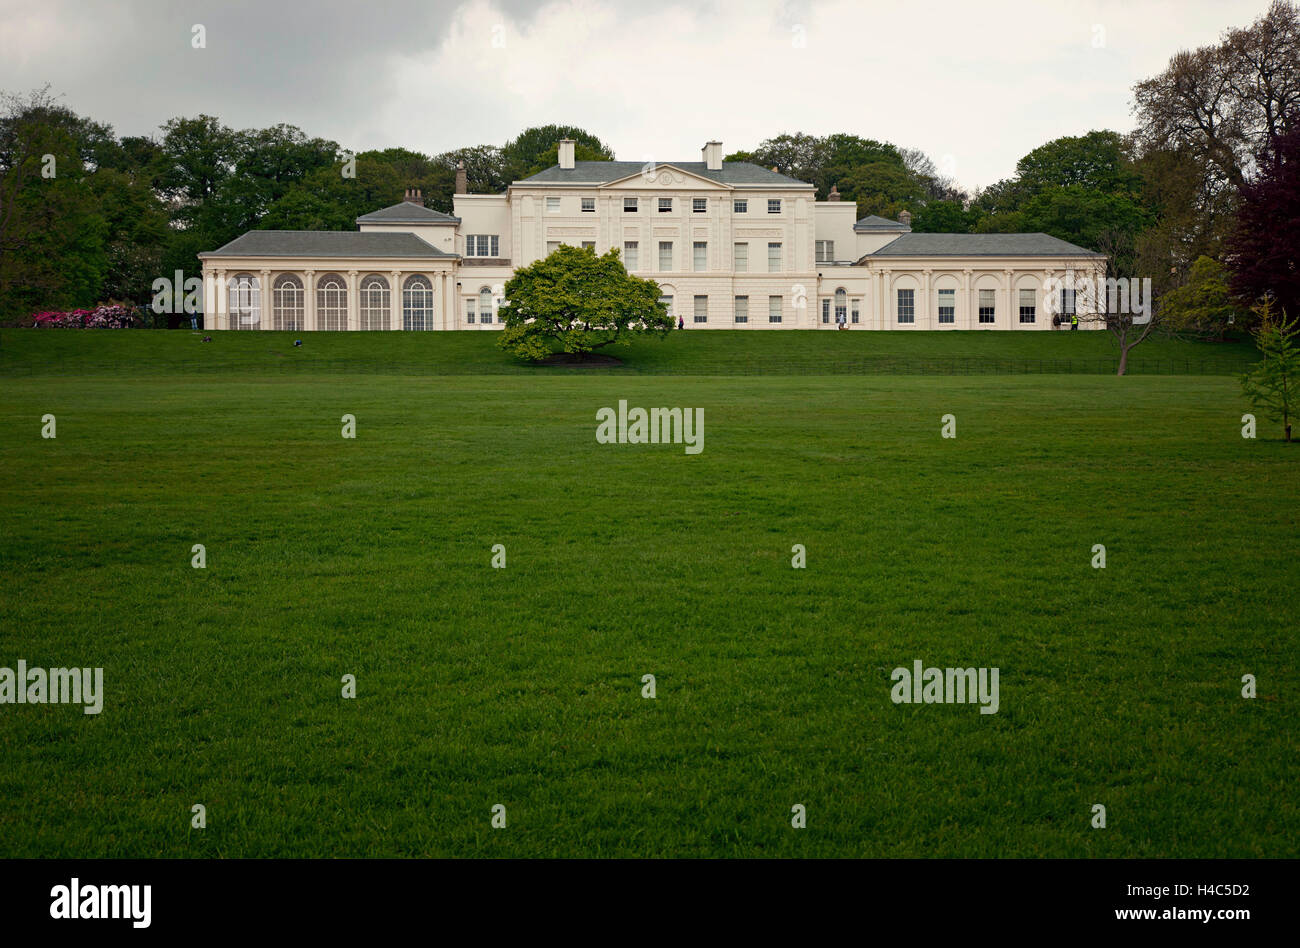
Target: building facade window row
(327,298)
(945,306)
(374,302)
(667,261)
(740,311)
(555,205)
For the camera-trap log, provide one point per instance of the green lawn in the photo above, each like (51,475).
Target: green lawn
(694,352)
(522,686)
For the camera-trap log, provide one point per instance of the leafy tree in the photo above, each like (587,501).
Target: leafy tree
(579,302)
(1095,161)
(136,234)
(945,217)
(1204,305)
(270,161)
(1222,104)
(528,152)
(938,187)
(485,166)
(581,152)
(1264,250)
(221,183)
(1274,384)
(328,201)
(140,155)
(1082,189)
(195,156)
(799,155)
(873,174)
(435,178)
(883,187)
(1088,218)
(52,234)
(1191,215)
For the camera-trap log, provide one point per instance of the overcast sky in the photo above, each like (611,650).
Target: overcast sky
(974,84)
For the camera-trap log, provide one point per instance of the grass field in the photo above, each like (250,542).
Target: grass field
(522,686)
(696,352)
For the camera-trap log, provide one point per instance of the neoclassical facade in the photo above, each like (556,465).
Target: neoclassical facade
(731,245)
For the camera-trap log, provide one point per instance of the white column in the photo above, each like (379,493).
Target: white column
(966,322)
(1009,277)
(354,311)
(886,311)
(440,300)
(1043,314)
(309,301)
(266,300)
(220,305)
(450,309)
(929,302)
(439,294)
(870,301)
(395,300)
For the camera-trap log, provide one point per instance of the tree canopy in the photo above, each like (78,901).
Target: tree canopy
(1264,249)
(577,302)
(1204,305)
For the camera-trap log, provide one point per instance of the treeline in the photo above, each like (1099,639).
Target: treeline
(1201,198)
(86,216)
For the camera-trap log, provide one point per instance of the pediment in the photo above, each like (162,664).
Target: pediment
(665,177)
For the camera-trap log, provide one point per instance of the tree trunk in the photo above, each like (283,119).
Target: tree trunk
(1123,360)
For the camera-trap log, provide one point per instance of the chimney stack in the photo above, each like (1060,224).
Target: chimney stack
(712,155)
(462,179)
(905,218)
(834,195)
(566,153)
(413,196)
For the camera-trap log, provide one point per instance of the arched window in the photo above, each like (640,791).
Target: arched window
(331,302)
(244,301)
(376,313)
(287,303)
(485,306)
(841,306)
(417,303)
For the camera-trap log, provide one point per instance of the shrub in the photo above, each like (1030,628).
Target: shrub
(104,316)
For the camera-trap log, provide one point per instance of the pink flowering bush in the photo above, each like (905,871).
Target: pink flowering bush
(107,316)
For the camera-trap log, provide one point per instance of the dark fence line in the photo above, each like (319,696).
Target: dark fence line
(811,367)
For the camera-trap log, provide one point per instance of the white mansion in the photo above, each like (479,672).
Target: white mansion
(731,245)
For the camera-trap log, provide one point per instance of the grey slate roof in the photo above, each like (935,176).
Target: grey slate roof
(980,245)
(327,243)
(407,213)
(873,222)
(602,172)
